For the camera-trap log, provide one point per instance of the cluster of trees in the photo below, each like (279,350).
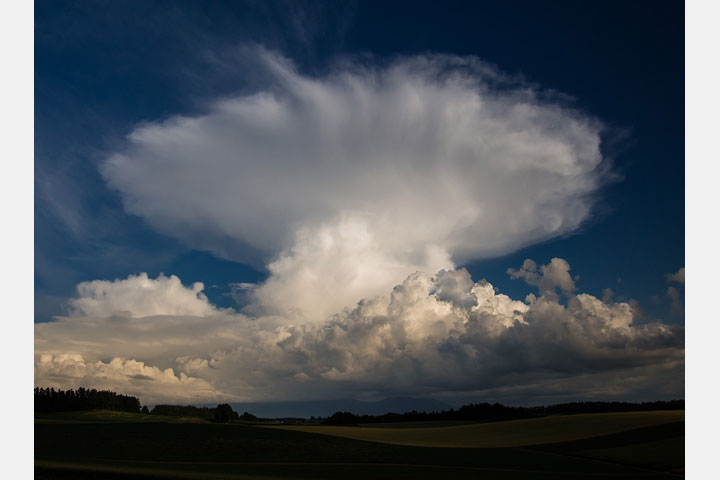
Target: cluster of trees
(51,400)
(221,414)
(607,407)
(486,412)
(183,411)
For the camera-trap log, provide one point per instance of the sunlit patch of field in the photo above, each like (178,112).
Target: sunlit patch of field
(418,424)
(514,433)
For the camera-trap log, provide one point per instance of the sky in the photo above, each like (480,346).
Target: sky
(263,201)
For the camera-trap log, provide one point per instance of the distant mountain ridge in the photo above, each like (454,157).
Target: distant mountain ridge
(325,408)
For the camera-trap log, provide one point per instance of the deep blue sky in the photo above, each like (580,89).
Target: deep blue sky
(102,67)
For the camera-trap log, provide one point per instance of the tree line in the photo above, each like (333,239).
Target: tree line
(220,414)
(487,412)
(48,400)
(51,400)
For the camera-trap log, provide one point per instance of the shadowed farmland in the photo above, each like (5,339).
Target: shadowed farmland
(86,446)
(514,433)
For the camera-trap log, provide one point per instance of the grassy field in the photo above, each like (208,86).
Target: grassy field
(104,445)
(513,433)
(107,416)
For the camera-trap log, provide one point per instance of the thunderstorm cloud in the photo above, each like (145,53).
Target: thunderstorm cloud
(347,182)
(361,190)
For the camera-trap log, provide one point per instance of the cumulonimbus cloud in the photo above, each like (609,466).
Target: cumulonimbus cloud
(348,182)
(356,187)
(437,335)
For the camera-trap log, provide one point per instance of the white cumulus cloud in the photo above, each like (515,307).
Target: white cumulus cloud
(140,296)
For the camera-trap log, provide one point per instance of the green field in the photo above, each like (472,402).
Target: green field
(513,433)
(107,445)
(108,416)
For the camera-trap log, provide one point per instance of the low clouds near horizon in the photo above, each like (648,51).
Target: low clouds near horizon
(443,335)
